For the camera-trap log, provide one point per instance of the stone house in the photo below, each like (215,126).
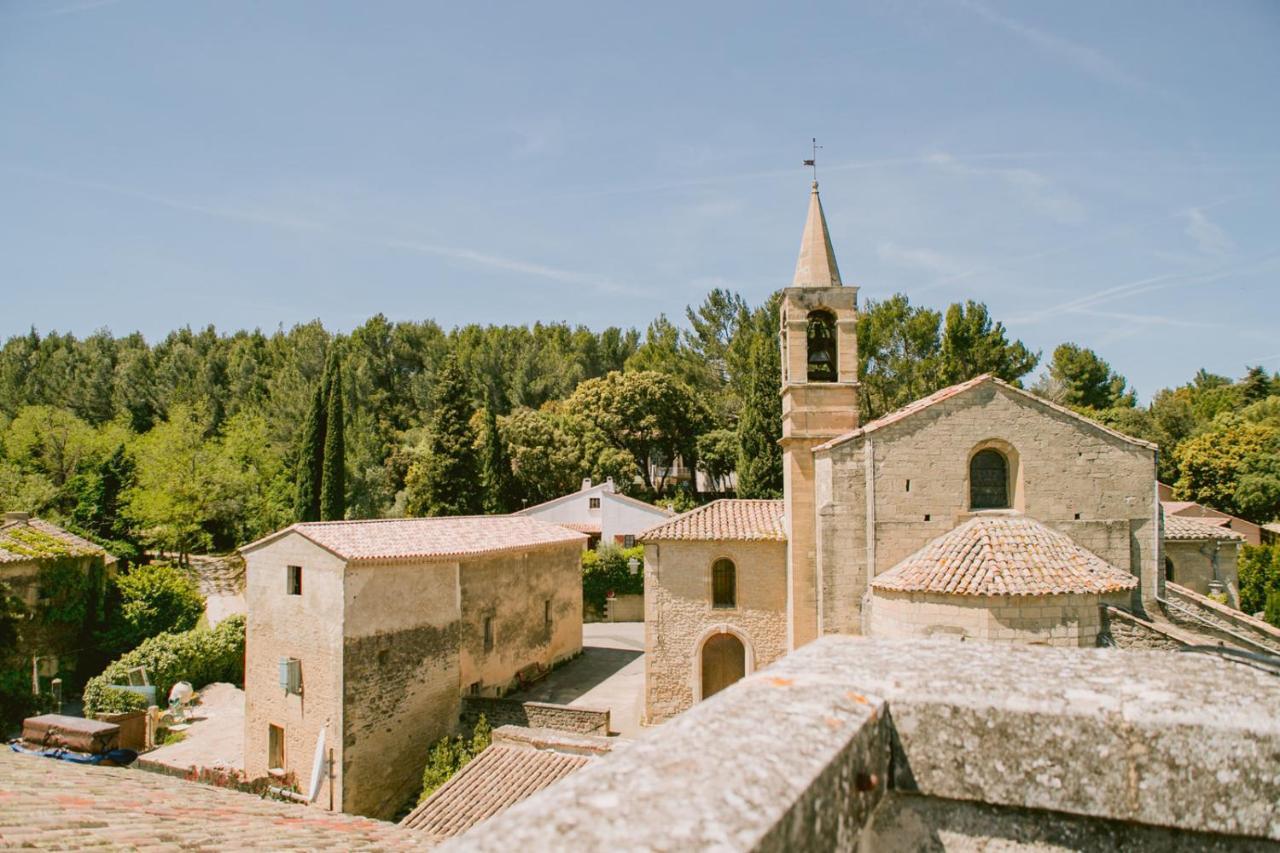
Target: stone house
(1202,557)
(1252,534)
(980,511)
(372,631)
(601,512)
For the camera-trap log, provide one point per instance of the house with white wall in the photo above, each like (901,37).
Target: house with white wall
(601,512)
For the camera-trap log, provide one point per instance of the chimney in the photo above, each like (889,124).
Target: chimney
(586,483)
(15,517)
(608,485)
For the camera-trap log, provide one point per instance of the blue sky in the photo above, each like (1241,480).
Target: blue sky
(1106,173)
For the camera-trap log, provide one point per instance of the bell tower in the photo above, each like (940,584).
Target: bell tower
(819,402)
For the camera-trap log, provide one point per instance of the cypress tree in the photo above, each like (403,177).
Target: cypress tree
(445,479)
(495,474)
(310,471)
(760,424)
(333,482)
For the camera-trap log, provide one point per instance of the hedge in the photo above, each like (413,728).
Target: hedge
(200,657)
(605,570)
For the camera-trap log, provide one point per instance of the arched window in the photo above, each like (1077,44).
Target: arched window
(724,584)
(1168,569)
(988,480)
(822,347)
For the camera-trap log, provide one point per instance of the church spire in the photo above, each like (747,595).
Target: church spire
(816,266)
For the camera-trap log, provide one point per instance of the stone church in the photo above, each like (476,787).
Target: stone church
(980,512)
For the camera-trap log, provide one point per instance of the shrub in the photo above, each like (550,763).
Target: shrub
(605,570)
(120,702)
(1259,575)
(201,656)
(158,598)
(1272,612)
(451,754)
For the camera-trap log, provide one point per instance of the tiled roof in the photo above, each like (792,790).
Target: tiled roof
(52,804)
(955,390)
(497,778)
(1180,527)
(428,538)
(1004,555)
(581,526)
(754,520)
(20,541)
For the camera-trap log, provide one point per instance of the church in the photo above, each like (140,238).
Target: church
(980,512)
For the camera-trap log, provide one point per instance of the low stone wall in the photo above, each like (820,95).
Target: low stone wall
(535,715)
(624,608)
(1033,743)
(1204,615)
(1123,630)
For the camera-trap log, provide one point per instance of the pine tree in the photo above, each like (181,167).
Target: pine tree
(333,504)
(760,424)
(445,478)
(496,478)
(310,473)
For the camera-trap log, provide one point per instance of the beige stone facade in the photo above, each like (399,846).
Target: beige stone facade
(386,646)
(1051,620)
(1208,567)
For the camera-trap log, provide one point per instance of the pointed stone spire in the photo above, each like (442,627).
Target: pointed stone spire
(816,266)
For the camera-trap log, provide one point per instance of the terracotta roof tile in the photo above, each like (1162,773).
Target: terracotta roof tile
(497,778)
(428,538)
(15,547)
(754,520)
(955,390)
(581,526)
(1004,555)
(1182,528)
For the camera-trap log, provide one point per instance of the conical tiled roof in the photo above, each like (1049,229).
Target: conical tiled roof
(1004,555)
(816,266)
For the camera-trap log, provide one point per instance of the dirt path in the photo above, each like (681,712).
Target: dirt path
(221,582)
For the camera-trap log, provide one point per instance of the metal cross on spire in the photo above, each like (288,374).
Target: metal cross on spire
(813,164)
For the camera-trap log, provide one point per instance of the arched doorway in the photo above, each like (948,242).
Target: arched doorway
(724,661)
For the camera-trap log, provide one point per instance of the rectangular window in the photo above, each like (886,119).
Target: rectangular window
(293,585)
(593,503)
(546,614)
(488,633)
(475,688)
(628,541)
(908,485)
(275,749)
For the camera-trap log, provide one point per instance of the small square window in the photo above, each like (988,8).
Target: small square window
(293,586)
(488,633)
(928,517)
(593,503)
(628,541)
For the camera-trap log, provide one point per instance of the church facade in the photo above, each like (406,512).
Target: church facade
(979,512)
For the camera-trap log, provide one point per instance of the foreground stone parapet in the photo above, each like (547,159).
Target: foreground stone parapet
(988,742)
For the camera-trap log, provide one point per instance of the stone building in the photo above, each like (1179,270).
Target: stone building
(601,512)
(980,511)
(372,631)
(1202,557)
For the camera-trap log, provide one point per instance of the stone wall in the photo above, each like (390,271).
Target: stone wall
(1205,616)
(1126,631)
(913,474)
(535,715)
(514,590)
(679,616)
(1052,620)
(861,744)
(624,608)
(307,627)
(1196,564)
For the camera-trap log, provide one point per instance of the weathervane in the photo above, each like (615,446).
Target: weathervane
(813,164)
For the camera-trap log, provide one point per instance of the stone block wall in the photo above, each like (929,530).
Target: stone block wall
(1204,615)
(624,608)
(1051,620)
(535,715)
(679,616)
(1125,631)
(1195,565)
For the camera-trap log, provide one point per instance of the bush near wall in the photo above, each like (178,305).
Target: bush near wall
(605,570)
(201,657)
(1259,576)
(451,754)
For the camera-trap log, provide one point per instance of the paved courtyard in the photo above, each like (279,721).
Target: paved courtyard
(216,737)
(608,674)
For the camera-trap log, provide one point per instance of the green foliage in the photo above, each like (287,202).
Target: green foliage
(16,701)
(66,592)
(445,479)
(311,457)
(154,599)
(496,479)
(451,754)
(1078,377)
(333,485)
(201,656)
(605,570)
(1271,615)
(718,456)
(1259,575)
(1233,467)
(759,463)
(974,344)
(121,702)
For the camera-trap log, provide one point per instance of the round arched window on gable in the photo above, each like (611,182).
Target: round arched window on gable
(988,480)
(724,584)
(822,364)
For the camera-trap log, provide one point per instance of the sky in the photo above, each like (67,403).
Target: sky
(1097,172)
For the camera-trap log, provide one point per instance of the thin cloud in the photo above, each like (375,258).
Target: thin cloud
(924,259)
(1036,190)
(1087,59)
(1205,233)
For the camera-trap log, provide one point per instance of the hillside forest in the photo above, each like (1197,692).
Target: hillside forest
(204,440)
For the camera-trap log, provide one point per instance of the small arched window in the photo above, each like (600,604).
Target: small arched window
(724,584)
(1168,569)
(988,480)
(822,347)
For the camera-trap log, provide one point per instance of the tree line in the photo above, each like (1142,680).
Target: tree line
(206,440)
